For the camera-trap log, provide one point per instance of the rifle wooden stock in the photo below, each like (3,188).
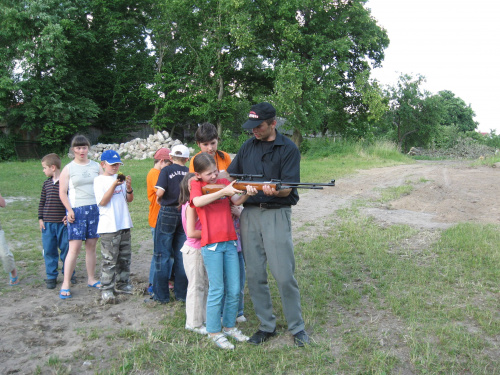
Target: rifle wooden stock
(240,185)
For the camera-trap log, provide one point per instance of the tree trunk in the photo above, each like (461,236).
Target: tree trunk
(297,137)
(219,98)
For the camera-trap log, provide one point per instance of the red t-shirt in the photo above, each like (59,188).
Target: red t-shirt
(216,220)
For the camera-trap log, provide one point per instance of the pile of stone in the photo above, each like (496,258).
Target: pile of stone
(137,149)
(464,148)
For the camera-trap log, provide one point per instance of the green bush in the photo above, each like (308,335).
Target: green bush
(231,144)
(447,136)
(305,146)
(7,147)
(493,140)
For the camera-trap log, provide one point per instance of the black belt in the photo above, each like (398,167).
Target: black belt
(269,206)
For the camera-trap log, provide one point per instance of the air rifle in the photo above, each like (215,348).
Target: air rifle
(243,180)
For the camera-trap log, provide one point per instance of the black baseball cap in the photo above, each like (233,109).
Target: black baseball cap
(258,113)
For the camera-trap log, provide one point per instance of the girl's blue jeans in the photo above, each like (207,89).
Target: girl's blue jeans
(223,269)
(241,302)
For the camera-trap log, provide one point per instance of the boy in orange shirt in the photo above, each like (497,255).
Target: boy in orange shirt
(162,159)
(207,139)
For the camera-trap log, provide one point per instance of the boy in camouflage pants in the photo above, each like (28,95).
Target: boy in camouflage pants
(113,192)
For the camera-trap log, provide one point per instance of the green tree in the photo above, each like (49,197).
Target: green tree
(310,58)
(40,88)
(457,112)
(68,64)
(200,74)
(322,52)
(119,64)
(414,115)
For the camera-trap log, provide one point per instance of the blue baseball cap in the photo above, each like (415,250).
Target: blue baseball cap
(111,157)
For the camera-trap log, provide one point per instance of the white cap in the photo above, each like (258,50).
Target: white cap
(180,151)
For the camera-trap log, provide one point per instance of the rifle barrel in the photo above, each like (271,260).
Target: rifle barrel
(307,185)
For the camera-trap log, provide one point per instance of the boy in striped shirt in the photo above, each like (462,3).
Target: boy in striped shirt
(51,214)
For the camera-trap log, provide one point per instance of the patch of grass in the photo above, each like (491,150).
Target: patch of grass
(94,334)
(489,160)
(395,192)
(332,160)
(444,295)
(57,366)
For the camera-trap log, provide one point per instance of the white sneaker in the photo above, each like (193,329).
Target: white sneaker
(107,295)
(241,319)
(221,341)
(202,330)
(236,334)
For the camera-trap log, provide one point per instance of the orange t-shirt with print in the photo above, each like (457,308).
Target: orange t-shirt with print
(222,164)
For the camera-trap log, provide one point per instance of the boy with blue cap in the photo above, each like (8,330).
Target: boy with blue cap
(112,192)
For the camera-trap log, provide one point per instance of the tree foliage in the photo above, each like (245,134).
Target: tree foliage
(457,112)
(307,57)
(40,86)
(414,115)
(66,64)
(334,44)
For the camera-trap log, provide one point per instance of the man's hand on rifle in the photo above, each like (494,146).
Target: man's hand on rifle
(271,191)
(251,190)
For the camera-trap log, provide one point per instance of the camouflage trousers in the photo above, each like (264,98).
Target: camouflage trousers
(116,253)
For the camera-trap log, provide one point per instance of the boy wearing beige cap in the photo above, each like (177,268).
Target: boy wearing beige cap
(169,233)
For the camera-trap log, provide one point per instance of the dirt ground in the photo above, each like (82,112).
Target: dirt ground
(36,325)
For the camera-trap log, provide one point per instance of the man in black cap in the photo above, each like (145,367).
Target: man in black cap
(266,223)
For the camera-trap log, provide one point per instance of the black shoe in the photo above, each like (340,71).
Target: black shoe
(151,302)
(260,336)
(301,338)
(73,280)
(51,283)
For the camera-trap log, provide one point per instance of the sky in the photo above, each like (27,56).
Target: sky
(454,44)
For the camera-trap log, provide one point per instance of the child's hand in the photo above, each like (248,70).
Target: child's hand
(236,210)
(229,190)
(128,181)
(251,190)
(71,216)
(42,225)
(65,220)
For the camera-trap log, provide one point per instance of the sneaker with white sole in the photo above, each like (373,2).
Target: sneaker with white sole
(107,295)
(241,319)
(221,341)
(202,330)
(236,334)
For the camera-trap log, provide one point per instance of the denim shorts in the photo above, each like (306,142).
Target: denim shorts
(85,225)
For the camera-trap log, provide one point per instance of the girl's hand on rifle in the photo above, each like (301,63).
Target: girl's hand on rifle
(229,190)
